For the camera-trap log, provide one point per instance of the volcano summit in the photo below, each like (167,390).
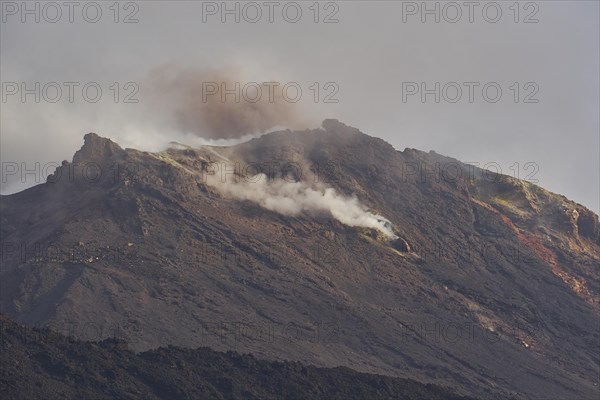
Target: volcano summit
(321,246)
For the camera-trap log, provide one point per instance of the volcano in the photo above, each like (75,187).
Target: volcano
(487,285)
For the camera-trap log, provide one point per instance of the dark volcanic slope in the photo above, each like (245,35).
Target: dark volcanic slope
(39,364)
(498,296)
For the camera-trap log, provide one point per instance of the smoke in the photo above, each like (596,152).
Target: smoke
(293,198)
(221,104)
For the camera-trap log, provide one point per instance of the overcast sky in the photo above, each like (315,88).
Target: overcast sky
(372,57)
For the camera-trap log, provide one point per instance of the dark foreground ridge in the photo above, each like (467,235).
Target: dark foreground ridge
(40,364)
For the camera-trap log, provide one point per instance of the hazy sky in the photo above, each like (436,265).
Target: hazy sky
(373,61)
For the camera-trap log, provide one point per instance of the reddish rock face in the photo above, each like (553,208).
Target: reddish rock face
(151,248)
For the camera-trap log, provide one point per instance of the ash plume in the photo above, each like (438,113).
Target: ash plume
(220,104)
(293,198)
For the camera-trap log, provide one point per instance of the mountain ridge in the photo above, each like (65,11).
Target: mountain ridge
(39,364)
(153,246)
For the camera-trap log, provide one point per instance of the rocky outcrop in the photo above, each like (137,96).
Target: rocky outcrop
(588,225)
(96,149)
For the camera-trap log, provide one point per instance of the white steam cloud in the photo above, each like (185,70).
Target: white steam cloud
(293,198)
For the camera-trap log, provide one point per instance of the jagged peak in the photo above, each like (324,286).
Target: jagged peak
(332,124)
(96,148)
